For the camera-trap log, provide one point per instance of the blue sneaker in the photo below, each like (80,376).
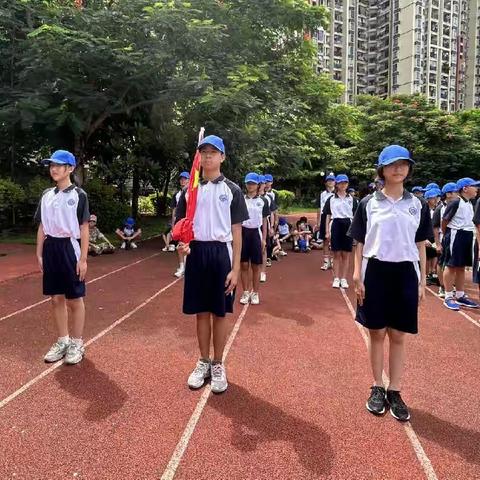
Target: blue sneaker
(466,302)
(451,304)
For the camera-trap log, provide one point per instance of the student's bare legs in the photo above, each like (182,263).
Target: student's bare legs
(337,264)
(375,351)
(454,276)
(204,334)
(244,273)
(255,278)
(460,279)
(344,264)
(76,309)
(220,331)
(396,358)
(60,314)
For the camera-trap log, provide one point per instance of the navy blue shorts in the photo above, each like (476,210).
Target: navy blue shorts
(60,269)
(251,246)
(206,271)
(391,296)
(459,248)
(340,241)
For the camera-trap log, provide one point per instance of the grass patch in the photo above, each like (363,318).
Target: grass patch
(298,210)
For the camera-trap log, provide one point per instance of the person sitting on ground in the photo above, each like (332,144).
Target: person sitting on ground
(283,230)
(128,233)
(316,243)
(98,243)
(302,235)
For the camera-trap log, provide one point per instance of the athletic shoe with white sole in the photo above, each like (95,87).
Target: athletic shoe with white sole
(441,292)
(263,277)
(219,378)
(245,298)
(451,304)
(398,408)
(165,249)
(180,272)
(283,253)
(171,248)
(254,298)
(133,245)
(74,354)
(377,402)
(466,302)
(344,283)
(123,245)
(199,375)
(57,351)
(336,283)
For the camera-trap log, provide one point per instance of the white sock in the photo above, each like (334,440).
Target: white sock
(182,265)
(64,339)
(78,341)
(449,295)
(460,293)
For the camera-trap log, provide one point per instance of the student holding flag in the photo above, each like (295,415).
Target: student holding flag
(211,234)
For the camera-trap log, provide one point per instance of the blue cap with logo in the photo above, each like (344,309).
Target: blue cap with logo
(430,186)
(214,141)
(417,188)
(392,154)
(433,193)
(185,175)
(449,187)
(268,177)
(261,179)
(130,221)
(61,157)
(330,177)
(341,178)
(467,182)
(251,177)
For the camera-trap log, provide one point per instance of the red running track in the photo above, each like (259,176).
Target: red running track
(298,377)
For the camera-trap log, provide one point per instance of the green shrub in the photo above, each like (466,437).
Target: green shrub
(285,199)
(103,202)
(12,197)
(146,205)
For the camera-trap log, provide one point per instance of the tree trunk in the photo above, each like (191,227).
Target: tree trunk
(162,204)
(79,152)
(135,192)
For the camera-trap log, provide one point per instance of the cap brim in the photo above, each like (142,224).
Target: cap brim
(212,145)
(48,161)
(396,159)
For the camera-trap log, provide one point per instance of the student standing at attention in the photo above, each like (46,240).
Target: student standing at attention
(62,250)
(213,266)
(391,227)
(322,218)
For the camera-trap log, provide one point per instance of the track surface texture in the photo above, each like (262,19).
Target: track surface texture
(295,408)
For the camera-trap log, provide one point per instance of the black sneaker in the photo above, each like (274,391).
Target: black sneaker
(377,402)
(398,409)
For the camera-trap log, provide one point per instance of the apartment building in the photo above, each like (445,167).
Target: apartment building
(386,47)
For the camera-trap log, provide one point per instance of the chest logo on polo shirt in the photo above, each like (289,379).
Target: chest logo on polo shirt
(259,204)
(71,202)
(223,197)
(412,211)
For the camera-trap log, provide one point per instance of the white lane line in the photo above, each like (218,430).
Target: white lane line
(88,283)
(412,436)
(182,444)
(461,312)
(46,372)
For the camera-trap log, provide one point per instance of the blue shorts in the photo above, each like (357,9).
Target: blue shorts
(251,246)
(459,248)
(206,271)
(60,269)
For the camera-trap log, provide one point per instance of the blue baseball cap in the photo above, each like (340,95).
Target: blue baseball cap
(129,221)
(331,176)
(392,154)
(432,193)
(371,185)
(214,141)
(252,177)
(62,157)
(261,179)
(184,175)
(341,178)
(466,182)
(430,186)
(282,221)
(449,187)
(418,188)
(268,177)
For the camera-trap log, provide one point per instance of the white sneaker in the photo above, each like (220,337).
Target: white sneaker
(57,351)
(74,354)
(325,267)
(219,378)
(263,277)
(283,253)
(254,298)
(245,298)
(336,283)
(199,375)
(133,245)
(165,249)
(171,248)
(123,246)
(180,272)
(343,283)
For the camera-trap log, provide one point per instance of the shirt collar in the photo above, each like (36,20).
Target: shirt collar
(251,198)
(217,180)
(68,189)
(379,195)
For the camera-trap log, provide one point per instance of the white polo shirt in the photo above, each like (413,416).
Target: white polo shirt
(338,207)
(324,196)
(258,209)
(220,204)
(459,214)
(389,229)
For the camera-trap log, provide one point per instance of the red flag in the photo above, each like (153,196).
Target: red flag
(183,229)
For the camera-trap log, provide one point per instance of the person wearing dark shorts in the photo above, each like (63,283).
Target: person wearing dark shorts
(339,210)
(458,229)
(391,227)
(213,266)
(432,197)
(322,219)
(476,262)
(254,234)
(62,250)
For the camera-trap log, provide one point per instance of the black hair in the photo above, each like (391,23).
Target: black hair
(382,176)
